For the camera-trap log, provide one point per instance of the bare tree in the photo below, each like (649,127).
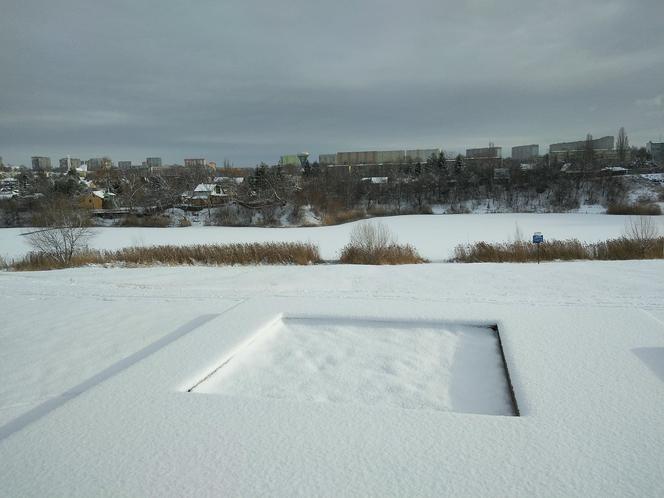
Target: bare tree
(132,188)
(641,228)
(622,144)
(643,231)
(66,231)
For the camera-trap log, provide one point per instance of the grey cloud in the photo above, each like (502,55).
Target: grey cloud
(250,80)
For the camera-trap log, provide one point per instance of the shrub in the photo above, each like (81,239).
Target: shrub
(184,222)
(378,211)
(641,228)
(371,236)
(634,209)
(154,221)
(374,244)
(458,209)
(344,216)
(643,232)
(231,215)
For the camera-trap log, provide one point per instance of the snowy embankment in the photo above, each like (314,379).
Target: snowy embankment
(96,365)
(434,236)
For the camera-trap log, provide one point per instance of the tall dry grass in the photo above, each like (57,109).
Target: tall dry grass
(621,248)
(397,254)
(649,209)
(343,216)
(270,253)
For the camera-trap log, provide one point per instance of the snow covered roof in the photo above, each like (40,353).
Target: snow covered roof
(231,179)
(375,179)
(614,168)
(8,194)
(102,194)
(203,189)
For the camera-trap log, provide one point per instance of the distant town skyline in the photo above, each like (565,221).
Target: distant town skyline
(313,156)
(250,81)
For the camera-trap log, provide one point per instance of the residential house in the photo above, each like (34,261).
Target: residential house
(97,199)
(206,194)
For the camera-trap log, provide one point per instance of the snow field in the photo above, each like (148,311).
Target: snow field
(582,340)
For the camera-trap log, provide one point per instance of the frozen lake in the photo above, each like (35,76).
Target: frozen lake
(434,236)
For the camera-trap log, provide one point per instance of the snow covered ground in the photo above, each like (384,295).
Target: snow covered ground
(434,236)
(394,364)
(96,365)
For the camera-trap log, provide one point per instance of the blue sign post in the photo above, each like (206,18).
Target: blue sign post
(538,238)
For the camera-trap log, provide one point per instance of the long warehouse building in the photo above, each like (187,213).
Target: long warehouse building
(604,143)
(377,157)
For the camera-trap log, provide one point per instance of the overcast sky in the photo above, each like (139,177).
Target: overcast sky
(250,80)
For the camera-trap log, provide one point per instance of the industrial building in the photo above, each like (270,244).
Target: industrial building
(190,163)
(327,159)
(421,155)
(298,159)
(124,164)
(491,152)
(525,152)
(41,163)
(656,151)
(371,157)
(603,148)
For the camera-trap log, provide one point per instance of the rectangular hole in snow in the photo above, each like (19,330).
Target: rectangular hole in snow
(412,365)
